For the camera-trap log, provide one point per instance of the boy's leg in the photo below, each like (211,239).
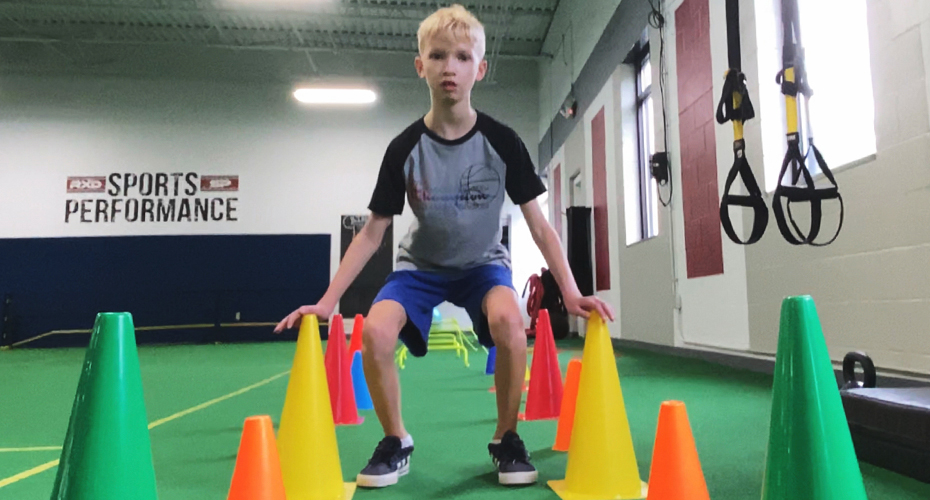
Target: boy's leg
(379,337)
(402,309)
(506,327)
(391,458)
(488,295)
(502,309)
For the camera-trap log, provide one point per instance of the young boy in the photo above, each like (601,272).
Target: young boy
(454,167)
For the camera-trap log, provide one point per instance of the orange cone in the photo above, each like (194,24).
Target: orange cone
(563,436)
(355,341)
(257,475)
(676,470)
(544,398)
(339,376)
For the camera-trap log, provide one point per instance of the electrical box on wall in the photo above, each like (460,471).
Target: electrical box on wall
(659,167)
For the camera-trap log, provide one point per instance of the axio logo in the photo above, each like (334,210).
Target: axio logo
(86,184)
(219,183)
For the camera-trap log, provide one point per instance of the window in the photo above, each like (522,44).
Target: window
(645,124)
(842,108)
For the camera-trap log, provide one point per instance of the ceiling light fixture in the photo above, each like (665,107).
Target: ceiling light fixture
(335,96)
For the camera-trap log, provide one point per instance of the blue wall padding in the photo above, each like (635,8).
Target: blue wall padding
(62,283)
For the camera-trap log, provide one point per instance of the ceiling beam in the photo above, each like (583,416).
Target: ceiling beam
(269,47)
(205,31)
(360,11)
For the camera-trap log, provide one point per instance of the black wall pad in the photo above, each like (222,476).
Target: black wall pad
(889,424)
(579,248)
(891,428)
(60,284)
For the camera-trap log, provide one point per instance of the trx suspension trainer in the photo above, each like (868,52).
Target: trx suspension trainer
(734,105)
(793,80)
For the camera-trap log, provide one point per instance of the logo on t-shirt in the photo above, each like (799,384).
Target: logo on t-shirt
(478,187)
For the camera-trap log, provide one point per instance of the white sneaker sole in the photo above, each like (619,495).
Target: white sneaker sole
(366,481)
(512,478)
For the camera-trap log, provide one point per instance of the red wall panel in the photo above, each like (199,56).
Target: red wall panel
(703,242)
(599,181)
(557,199)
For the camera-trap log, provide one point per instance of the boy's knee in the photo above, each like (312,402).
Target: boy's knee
(507,327)
(378,338)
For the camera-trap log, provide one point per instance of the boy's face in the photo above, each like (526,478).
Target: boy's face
(450,67)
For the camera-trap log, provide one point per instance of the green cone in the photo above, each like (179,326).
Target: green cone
(810,453)
(107,454)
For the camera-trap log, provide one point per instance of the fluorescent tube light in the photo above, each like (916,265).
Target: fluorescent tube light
(335,96)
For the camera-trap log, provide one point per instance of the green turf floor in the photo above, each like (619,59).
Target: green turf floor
(447,408)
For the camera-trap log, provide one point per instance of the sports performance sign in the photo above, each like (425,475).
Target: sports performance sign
(151,197)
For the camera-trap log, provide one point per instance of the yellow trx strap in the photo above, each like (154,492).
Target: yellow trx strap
(793,81)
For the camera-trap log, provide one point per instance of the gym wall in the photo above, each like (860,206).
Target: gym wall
(283,174)
(871,286)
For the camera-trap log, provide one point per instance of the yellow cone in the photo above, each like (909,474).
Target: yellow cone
(601,460)
(307,445)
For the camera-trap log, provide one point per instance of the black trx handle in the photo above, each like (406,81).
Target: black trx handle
(804,194)
(795,160)
(735,106)
(735,83)
(754,200)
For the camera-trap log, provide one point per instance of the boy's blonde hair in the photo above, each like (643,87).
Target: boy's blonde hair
(457,21)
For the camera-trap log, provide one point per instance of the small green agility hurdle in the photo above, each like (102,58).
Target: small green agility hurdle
(445,334)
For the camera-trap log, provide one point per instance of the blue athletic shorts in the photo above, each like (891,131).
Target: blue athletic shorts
(420,291)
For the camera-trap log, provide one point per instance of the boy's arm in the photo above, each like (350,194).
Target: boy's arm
(548,242)
(363,246)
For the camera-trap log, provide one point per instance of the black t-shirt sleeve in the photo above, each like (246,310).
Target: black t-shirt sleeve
(390,190)
(522,182)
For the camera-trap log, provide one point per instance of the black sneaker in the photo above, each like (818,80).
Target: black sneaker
(389,462)
(512,460)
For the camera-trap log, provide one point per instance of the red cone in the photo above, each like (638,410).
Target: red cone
(544,398)
(355,342)
(339,376)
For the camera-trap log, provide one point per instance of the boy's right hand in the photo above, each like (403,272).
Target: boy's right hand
(322,311)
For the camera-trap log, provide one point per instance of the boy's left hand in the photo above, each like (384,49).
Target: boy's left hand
(582,306)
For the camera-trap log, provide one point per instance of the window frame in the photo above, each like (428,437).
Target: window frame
(639,58)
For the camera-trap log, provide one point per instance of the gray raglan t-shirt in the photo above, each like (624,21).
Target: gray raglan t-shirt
(456,190)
